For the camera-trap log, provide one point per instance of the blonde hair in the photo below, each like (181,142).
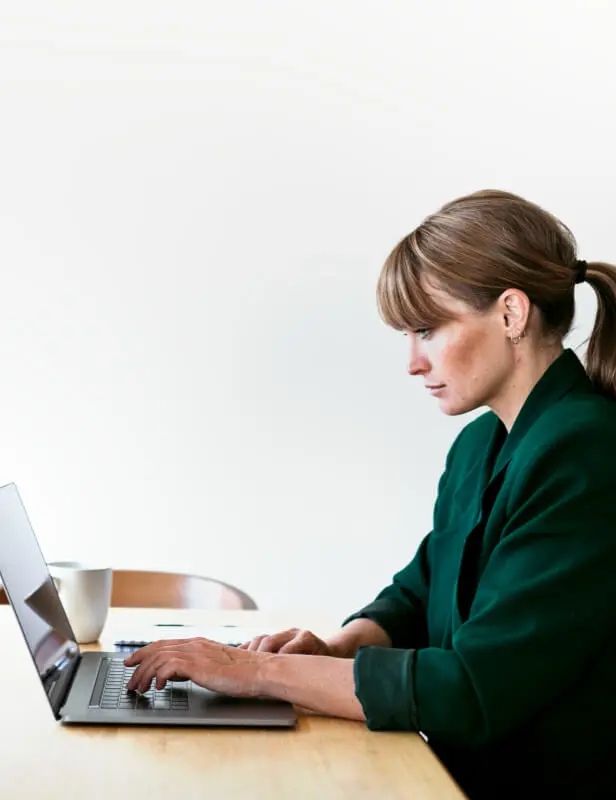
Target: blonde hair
(478,246)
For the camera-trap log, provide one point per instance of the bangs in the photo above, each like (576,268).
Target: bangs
(404,301)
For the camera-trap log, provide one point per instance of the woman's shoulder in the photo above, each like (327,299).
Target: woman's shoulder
(583,423)
(585,418)
(575,436)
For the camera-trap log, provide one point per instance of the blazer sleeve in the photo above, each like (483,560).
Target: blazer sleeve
(400,608)
(544,608)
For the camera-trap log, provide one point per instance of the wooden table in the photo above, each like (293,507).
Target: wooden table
(322,758)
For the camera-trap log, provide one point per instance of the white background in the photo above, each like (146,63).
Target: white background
(195,202)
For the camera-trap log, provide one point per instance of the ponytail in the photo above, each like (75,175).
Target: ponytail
(601,352)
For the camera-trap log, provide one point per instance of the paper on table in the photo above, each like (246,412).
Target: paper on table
(217,633)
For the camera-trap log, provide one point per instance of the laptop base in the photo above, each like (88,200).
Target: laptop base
(204,708)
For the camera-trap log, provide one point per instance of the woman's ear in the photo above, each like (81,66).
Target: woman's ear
(515,311)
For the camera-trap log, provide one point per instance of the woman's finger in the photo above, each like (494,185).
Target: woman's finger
(145,652)
(175,670)
(307,643)
(274,641)
(254,643)
(294,646)
(163,664)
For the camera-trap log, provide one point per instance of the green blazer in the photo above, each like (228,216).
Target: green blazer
(503,625)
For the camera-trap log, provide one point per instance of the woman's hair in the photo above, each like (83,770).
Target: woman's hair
(478,246)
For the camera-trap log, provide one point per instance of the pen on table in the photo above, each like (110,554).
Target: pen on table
(172,625)
(183,625)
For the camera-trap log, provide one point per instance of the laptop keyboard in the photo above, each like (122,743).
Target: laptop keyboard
(110,691)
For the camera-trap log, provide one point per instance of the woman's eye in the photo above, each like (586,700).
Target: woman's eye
(423,333)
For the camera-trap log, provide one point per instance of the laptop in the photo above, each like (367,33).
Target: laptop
(90,687)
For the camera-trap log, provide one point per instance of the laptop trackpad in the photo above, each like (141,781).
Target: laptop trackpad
(216,709)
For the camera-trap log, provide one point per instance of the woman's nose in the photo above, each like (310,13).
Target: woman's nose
(418,363)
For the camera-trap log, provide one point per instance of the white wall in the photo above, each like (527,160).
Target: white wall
(195,202)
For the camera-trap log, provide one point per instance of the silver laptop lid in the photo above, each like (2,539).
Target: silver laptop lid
(34,598)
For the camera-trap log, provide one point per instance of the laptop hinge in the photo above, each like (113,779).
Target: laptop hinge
(59,680)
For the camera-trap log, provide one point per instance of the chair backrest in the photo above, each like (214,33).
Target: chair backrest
(145,589)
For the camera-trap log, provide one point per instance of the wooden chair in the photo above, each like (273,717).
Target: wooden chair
(145,589)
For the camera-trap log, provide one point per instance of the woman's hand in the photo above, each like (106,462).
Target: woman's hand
(212,665)
(293,640)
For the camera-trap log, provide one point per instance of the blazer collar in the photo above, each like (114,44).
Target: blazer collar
(563,375)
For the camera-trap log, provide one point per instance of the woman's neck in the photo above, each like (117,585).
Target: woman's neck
(531,363)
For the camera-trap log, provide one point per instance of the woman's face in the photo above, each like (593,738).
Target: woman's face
(467,362)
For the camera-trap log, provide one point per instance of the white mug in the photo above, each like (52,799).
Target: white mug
(85,592)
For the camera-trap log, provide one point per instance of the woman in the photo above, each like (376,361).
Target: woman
(497,640)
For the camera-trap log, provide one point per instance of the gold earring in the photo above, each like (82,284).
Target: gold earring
(518,338)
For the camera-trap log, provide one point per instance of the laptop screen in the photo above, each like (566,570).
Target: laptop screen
(30,588)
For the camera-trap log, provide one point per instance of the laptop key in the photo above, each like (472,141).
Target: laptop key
(115,695)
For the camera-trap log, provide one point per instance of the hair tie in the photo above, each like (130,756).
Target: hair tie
(581,266)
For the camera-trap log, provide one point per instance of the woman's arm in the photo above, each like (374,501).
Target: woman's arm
(322,684)
(319,683)
(357,633)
